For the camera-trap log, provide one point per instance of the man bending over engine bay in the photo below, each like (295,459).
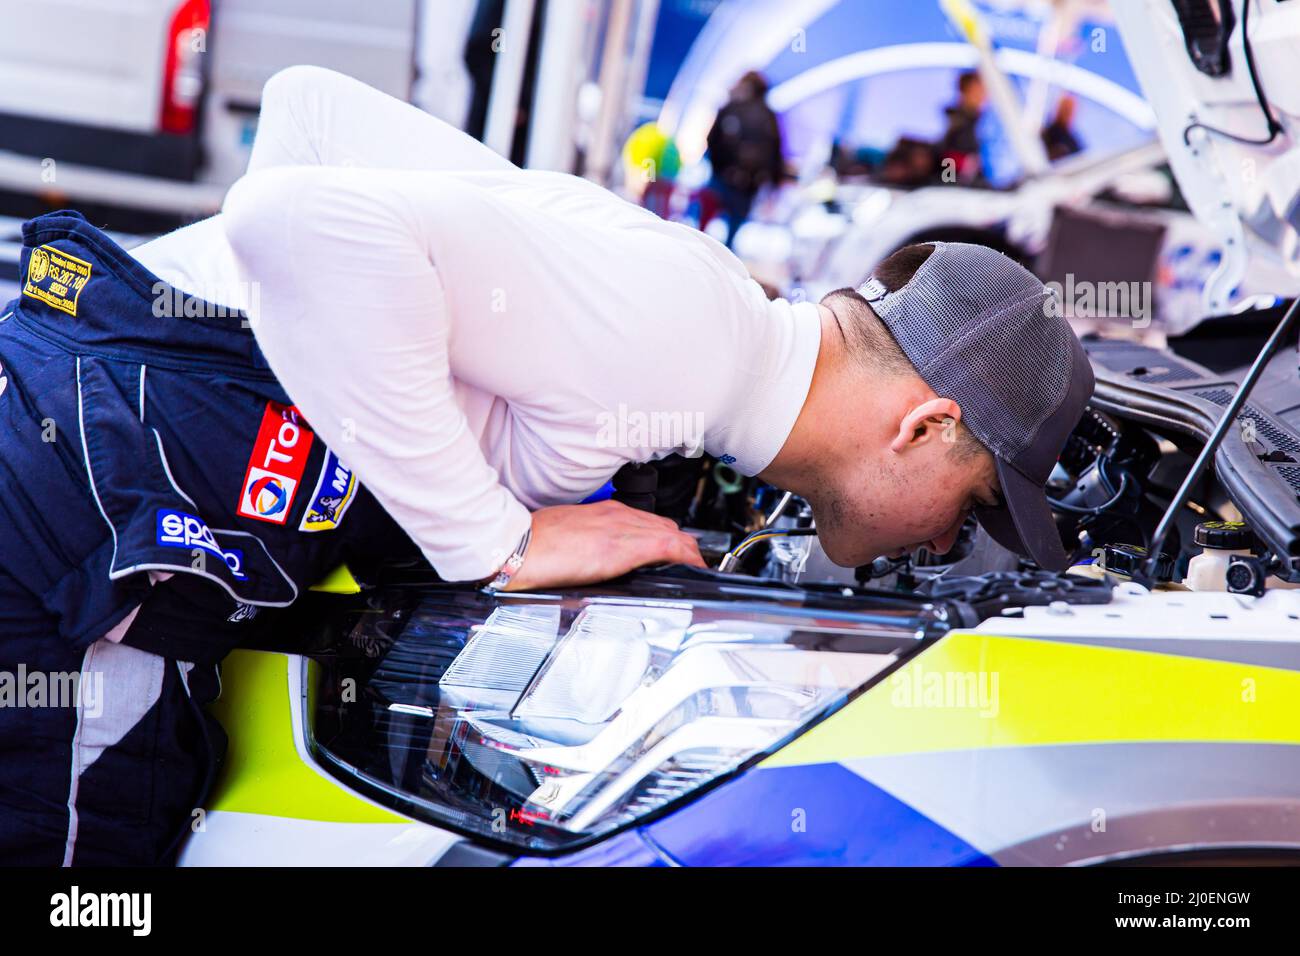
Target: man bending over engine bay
(403,338)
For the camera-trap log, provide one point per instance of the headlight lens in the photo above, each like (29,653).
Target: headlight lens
(543,721)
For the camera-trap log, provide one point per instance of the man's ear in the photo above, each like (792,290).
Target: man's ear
(932,420)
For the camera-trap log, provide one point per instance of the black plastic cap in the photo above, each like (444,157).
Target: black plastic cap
(1225,535)
(1128,559)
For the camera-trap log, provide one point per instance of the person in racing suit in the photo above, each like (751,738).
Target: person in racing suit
(162,500)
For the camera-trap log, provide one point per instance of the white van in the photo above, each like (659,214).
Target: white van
(151,104)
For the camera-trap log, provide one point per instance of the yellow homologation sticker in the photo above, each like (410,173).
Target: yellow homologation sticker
(56,278)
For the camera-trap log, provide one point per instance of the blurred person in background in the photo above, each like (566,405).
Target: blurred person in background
(912,162)
(1058,135)
(745,150)
(960,143)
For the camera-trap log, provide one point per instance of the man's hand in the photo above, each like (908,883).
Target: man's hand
(583,544)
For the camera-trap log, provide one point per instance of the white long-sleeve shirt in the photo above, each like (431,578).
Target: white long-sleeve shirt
(477,340)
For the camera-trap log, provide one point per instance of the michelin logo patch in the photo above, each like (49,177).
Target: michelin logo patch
(176,529)
(56,278)
(335,489)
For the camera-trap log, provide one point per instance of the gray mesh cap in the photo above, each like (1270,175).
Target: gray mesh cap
(977,327)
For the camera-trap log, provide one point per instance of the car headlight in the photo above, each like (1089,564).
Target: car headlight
(543,721)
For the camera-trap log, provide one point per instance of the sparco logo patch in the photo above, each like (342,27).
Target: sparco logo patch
(276,464)
(176,529)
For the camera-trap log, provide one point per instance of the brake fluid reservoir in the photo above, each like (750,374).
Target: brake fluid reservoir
(1220,540)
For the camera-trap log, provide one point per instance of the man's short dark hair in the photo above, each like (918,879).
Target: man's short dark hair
(900,266)
(870,340)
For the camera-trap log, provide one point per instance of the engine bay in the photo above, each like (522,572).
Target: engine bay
(1153,410)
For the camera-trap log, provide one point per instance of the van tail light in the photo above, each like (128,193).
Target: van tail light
(187,38)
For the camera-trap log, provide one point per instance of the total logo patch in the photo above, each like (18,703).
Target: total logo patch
(267,495)
(335,489)
(275,467)
(176,529)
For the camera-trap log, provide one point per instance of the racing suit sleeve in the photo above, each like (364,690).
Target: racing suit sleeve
(344,269)
(353,319)
(312,116)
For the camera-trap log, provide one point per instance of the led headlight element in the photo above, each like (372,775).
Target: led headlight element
(616,691)
(568,717)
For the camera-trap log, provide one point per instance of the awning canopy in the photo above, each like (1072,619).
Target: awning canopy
(869,70)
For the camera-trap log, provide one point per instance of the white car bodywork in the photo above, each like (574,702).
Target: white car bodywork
(363,834)
(879,220)
(1250,182)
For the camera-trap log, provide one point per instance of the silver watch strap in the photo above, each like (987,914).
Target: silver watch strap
(512,564)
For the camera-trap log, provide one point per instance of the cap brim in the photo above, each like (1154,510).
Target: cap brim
(1024,524)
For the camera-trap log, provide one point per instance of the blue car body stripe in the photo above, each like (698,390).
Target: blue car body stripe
(807,815)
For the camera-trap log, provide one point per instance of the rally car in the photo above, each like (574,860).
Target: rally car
(963,710)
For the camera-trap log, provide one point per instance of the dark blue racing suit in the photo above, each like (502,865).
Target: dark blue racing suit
(160,499)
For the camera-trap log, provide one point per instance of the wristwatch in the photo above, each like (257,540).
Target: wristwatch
(512,565)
